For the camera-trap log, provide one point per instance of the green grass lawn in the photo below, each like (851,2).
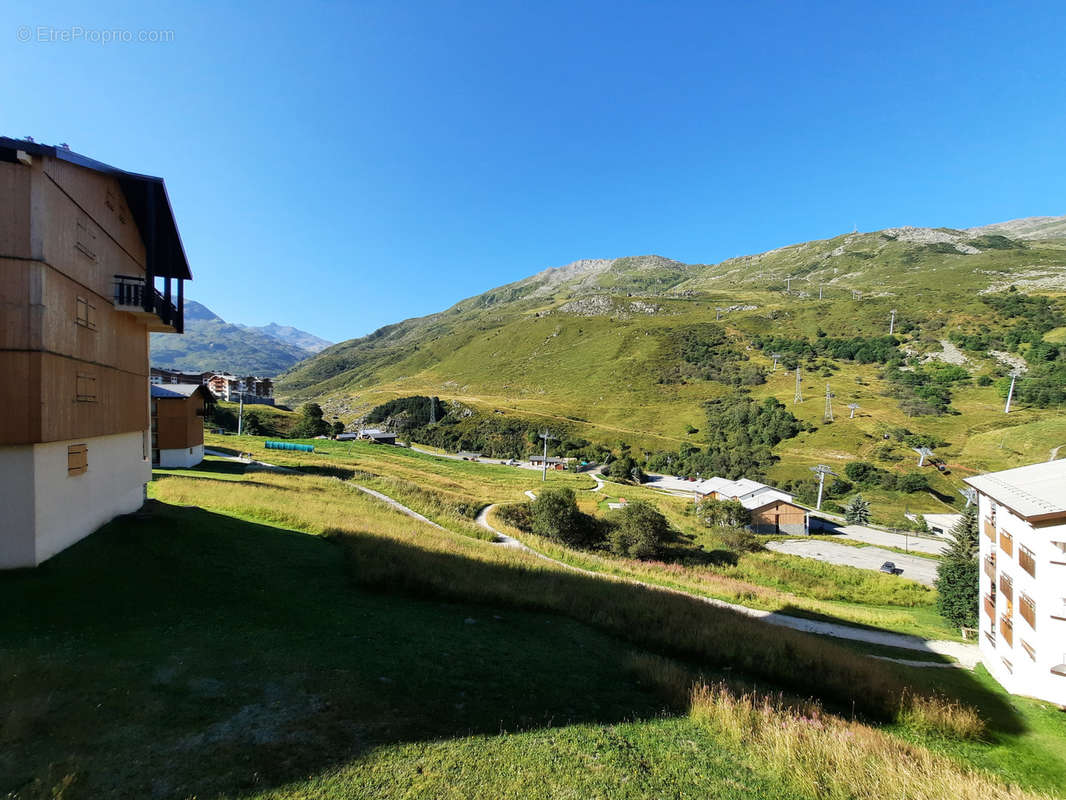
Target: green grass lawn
(212,648)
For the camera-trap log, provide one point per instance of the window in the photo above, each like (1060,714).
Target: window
(77,459)
(86,389)
(86,314)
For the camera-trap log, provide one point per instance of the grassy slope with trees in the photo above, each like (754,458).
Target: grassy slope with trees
(631,355)
(233,643)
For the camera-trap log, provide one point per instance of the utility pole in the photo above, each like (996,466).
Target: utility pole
(819,291)
(822,471)
(828,404)
(240,415)
(788,285)
(545,435)
(971,496)
(776,357)
(892,323)
(1010,393)
(854,407)
(798,398)
(717,314)
(922,453)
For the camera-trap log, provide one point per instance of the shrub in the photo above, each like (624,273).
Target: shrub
(739,540)
(912,482)
(715,513)
(638,530)
(555,516)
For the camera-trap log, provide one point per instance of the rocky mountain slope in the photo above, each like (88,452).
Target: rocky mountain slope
(211,343)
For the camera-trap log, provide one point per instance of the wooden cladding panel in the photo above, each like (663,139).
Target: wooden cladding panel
(1006,543)
(21,304)
(15,182)
(179,425)
(40,399)
(20,397)
(77,459)
(989,529)
(44,315)
(101,199)
(78,247)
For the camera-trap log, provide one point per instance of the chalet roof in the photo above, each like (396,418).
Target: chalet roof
(1033,492)
(170,391)
(146,197)
(751,494)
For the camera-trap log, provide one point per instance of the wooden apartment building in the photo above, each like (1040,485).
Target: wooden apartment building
(82,248)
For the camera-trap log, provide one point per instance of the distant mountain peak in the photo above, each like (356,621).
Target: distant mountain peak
(198,311)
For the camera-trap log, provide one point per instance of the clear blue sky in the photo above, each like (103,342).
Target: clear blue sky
(339,166)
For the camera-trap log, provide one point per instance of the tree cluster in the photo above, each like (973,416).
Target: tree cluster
(637,530)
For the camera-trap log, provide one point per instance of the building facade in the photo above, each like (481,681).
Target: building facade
(82,245)
(231,388)
(159,377)
(178,424)
(772,511)
(1022,521)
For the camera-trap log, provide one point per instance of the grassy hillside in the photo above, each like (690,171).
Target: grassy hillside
(228,643)
(596,349)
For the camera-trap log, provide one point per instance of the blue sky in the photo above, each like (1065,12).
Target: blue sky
(340,166)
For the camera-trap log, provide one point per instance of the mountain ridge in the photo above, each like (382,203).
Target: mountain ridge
(210,343)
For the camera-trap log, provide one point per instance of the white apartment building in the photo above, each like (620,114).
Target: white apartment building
(1022,520)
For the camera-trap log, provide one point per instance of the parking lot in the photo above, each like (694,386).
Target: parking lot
(915,568)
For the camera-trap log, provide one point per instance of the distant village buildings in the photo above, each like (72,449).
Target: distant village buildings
(1022,521)
(223,385)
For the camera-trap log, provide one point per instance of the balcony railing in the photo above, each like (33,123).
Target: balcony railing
(1006,587)
(990,567)
(1006,543)
(1027,608)
(134,294)
(1060,669)
(1006,629)
(990,607)
(1026,560)
(989,528)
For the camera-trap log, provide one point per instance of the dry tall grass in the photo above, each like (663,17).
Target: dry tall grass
(818,753)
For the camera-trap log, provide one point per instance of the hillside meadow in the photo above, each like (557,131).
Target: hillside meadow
(228,641)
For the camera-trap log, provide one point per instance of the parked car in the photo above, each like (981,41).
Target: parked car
(890,568)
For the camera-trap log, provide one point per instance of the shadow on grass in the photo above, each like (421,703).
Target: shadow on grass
(185,653)
(191,653)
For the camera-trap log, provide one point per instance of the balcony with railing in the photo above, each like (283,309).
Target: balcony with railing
(1006,587)
(135,295)
(990,606)
(989,527)
(1059,559)
(1026,560)
(1027,608)
(1006,630)
(1060,669)
(990,567)
(1006,543)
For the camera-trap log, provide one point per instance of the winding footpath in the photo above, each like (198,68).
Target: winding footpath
(966,655)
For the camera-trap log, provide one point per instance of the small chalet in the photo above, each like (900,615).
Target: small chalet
(178,425)
(377,436)
(552,461)
(772,511)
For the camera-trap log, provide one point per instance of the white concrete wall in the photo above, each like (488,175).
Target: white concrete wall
(51,509)
(17,546)
(1026,675)
(182,458)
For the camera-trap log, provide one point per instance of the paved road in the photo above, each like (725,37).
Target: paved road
(967,655)
(918,544)
(916,568)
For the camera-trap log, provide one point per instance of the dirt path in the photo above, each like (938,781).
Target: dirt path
(967,655)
